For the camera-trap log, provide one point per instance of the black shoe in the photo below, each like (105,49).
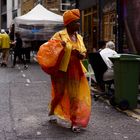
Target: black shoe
(3,65)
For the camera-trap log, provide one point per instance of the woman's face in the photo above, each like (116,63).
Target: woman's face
(74,25)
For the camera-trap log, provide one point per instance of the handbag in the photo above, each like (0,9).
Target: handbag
(50,55)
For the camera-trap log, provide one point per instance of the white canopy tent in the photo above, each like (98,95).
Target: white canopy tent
(39,15)
(38,24)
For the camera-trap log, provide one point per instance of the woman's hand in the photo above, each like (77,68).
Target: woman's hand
(13,43)
(78,54)
(81,56)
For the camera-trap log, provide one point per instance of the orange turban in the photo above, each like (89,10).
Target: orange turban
(71,15)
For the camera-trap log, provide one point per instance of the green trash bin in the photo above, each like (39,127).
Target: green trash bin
(85,63)
(126,79)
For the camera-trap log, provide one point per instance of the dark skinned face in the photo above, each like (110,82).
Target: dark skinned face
(74,26)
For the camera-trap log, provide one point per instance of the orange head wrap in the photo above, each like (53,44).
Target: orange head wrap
(71,15)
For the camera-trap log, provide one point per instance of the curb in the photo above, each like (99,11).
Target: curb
(135,113)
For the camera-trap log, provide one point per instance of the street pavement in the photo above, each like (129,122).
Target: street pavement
(24,100)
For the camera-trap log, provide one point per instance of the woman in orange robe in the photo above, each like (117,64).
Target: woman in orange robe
(71,98)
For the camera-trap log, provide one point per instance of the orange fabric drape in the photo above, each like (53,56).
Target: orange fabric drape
(71,86)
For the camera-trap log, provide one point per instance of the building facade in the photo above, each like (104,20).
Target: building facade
(109,21)
(89,20)
(8,11)
(27,5)
(56,6)
(98,21)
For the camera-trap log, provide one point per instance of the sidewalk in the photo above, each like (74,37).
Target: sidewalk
(135,113)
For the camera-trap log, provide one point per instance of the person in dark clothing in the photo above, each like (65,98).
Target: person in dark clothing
(101,45)
(11,33)
(18,50)
(27,50)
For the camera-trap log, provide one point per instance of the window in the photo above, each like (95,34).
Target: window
(49,1)
(38,2)
(14,13)
(65,5)
(24,1)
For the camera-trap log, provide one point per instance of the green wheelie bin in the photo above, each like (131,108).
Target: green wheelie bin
(126,80)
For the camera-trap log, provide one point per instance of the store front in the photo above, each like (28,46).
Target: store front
(98,22)
(89,28)
(109,21)
(89,23)
(116,20)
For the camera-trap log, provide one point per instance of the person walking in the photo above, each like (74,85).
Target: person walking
(5,46)
(71,99)
(18,50)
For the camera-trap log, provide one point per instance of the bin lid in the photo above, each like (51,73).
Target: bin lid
(130,57)
(138,59)
(115,57)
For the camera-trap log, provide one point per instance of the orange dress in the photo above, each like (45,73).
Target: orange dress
(71,88)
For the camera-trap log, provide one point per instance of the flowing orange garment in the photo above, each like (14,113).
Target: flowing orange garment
(73,90)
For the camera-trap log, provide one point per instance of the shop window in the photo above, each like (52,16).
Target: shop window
(89,30)
(109,26)
(14,13)
(65,5)
(49,1)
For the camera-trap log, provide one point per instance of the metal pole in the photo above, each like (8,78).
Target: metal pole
(120,27)
(100,6)
(77,3)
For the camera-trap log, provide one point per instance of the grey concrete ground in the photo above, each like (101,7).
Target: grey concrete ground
(24,99)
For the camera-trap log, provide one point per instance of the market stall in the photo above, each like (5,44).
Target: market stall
(37,27)
(38,24)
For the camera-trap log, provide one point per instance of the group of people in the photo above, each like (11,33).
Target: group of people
(5,45)
(71,99)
